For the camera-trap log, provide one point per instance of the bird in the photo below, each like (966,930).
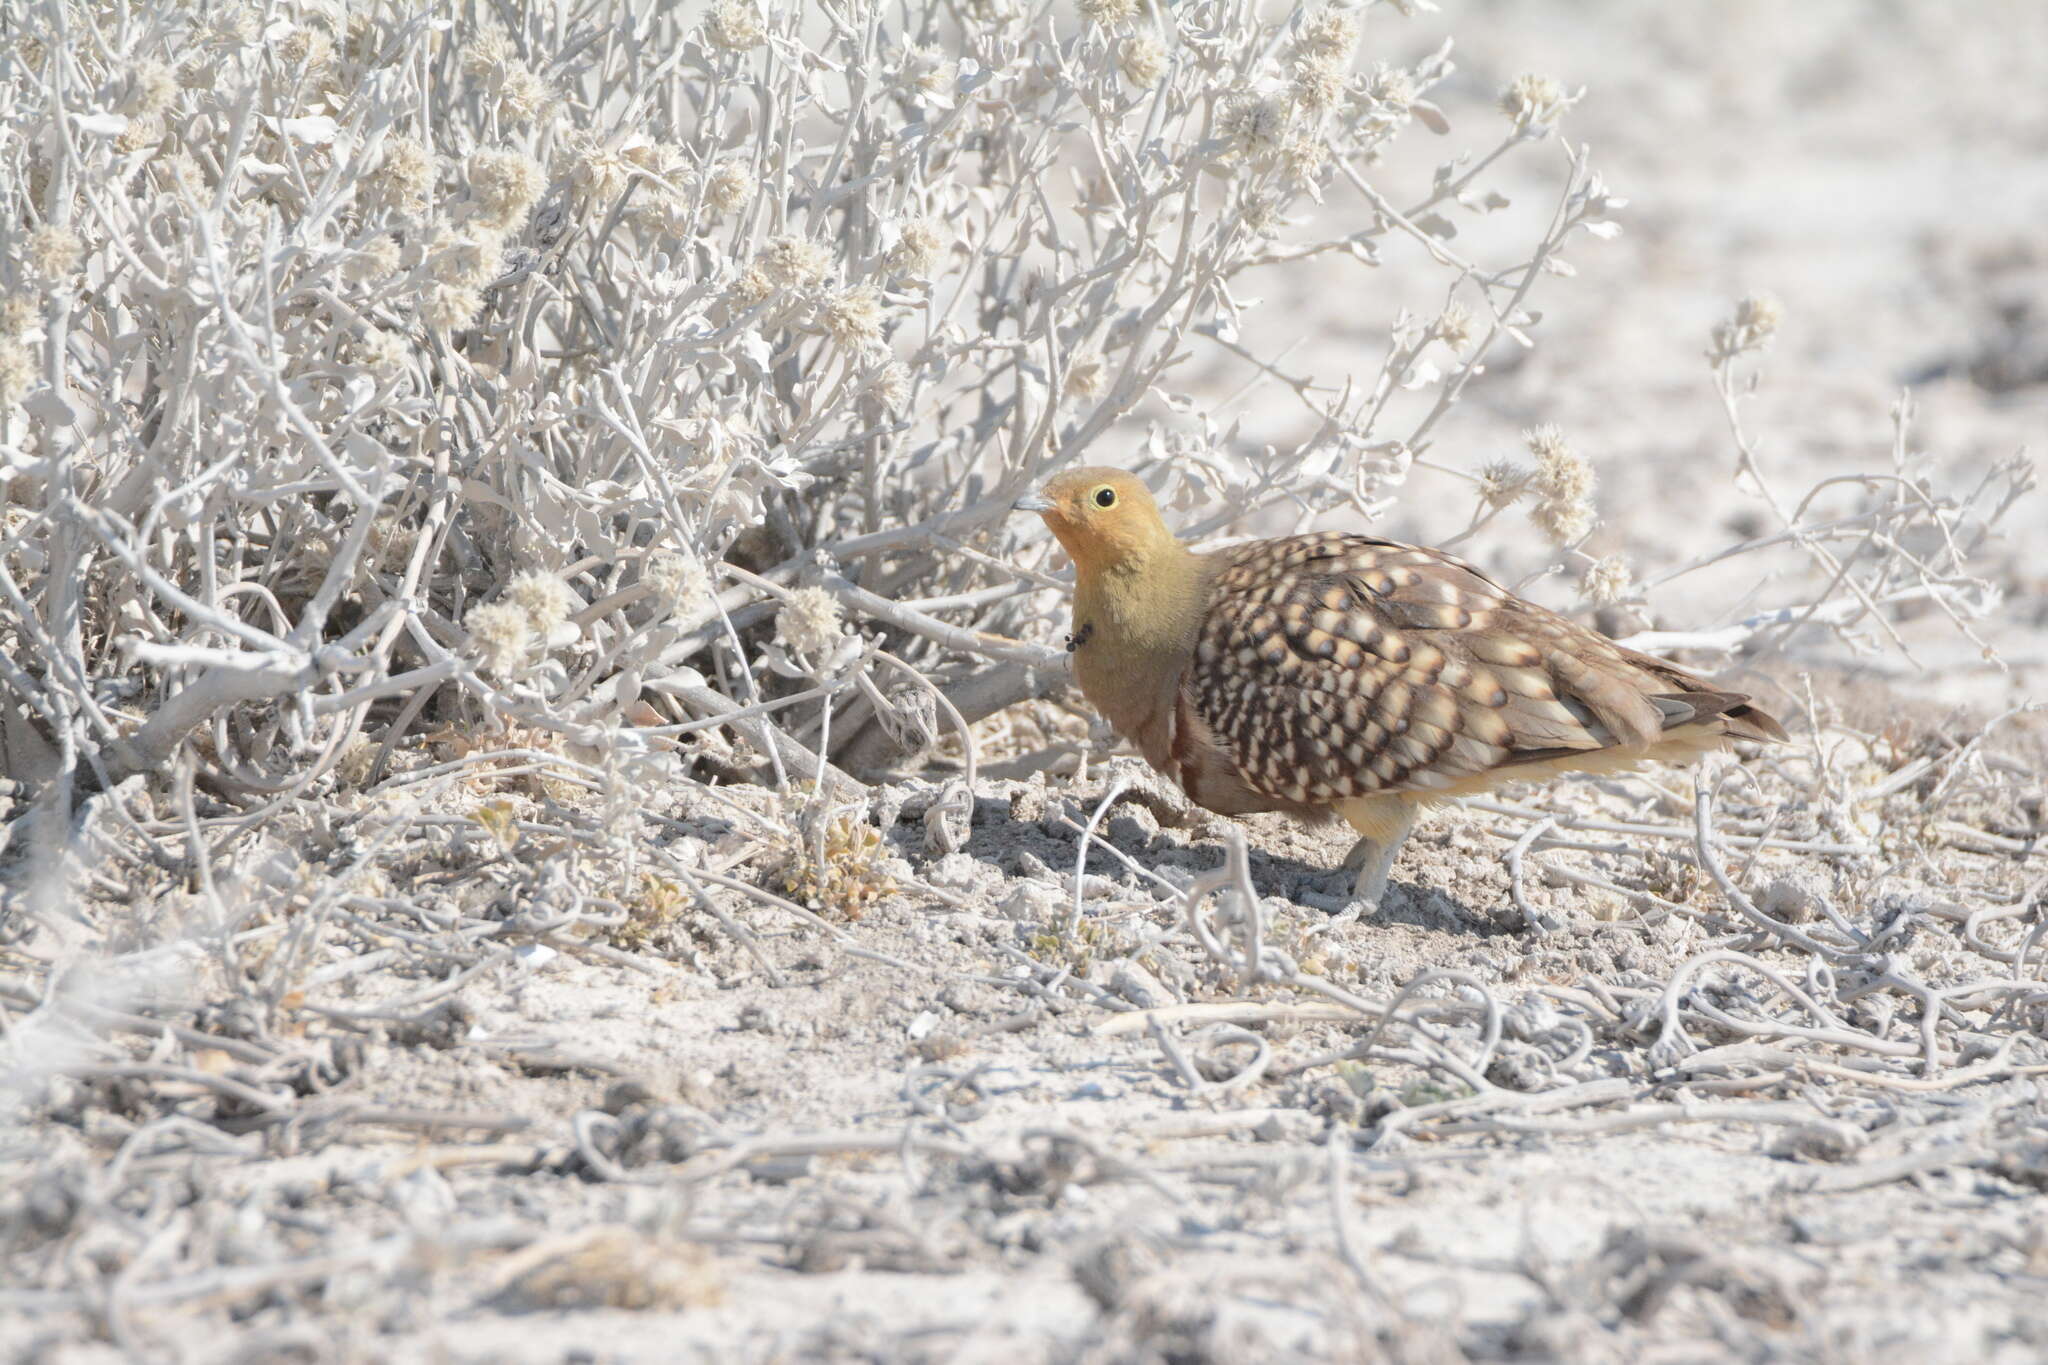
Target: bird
(1335,674)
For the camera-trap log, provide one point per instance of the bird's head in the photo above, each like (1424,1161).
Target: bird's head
(1103,517)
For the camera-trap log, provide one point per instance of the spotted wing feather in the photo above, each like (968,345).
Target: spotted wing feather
(1334,666)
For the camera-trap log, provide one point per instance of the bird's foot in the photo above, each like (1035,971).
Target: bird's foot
(1359,908)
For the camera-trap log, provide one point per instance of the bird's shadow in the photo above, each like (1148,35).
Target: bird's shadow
(1025,847)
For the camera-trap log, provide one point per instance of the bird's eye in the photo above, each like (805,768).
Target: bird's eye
(1105,497)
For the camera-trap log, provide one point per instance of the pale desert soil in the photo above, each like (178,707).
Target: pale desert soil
(942,1133)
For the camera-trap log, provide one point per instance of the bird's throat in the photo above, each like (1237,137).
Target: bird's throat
(1145,604)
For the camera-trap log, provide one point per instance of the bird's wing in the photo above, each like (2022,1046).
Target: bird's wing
(1334,666)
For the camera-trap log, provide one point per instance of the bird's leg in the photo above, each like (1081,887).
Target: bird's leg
(1382,824)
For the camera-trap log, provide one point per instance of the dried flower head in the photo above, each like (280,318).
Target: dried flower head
(924,68)
(1108,11)
(1562,473)
(178,171)
(449,307)
(808,625)
(1256,123)
(143,132)
(1303,155)
(1756,321)
(891,384)
(18,314)
(363,39)
(152,87)
(380,351)
(1316,86)
(544,597)
(920,241)
(1328,35)
(376,259)
(731,187)
(306,46)
(1087,374)
(228,25)
(679,581)
(1391,87)
(1142,59)
(852,317)
(53,251)
(794,262)
(1454,326)
(17,372)
(471,259)
(1759,315)
(500,635)
(1503,483)
(600,171)
(405,174)
(505,182)
(735,26)
(748,288)
(1563,484)
(489,54)
(522,94)
(1261,215)
(1533,100)
(1606,581)
(1566,523)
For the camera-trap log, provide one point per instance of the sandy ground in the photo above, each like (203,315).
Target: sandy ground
(945,1130)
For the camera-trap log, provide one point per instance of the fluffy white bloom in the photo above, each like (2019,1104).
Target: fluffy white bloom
(1562,474)
(1141,59)
(449,307)
(852,317)
(152,87)
(1533,100)
(1606,580)
(521,94)
(919,244)
(730,188)
(749,287)
(500,635)
(18,313)
(679,581)
(735,25)
(1563,485)
(794,262)
(1504,482)
(1256,123)
(405,174)
(1316,86)
(892,384)
(306,46)
(809,624)
(17,372)
(380,351)
(1391,87)
(1454,326)
(544,597)
(376,259)
(504,181)
(1108,11)
(1087,374)
(54,252)
(470,260)
(1328,35)
(1756,321)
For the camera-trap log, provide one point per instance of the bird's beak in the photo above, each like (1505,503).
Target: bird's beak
(1032,502)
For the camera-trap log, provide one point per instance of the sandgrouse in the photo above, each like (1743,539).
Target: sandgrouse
(1338,673)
